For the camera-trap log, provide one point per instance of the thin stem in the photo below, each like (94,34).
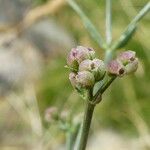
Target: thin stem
(89,109)
(108,56)
(85,126)
(131,26)
(108,22)
(104,87)
(69,140)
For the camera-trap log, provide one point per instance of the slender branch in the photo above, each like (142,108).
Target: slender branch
(131,27)
(68,141)
(89,109)
(104,87)
(86,126)
(88,24)
(108,22)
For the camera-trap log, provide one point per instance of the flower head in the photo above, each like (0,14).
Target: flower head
(126,57)
(129,60)
(77,55)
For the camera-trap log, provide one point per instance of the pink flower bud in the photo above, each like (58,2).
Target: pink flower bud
(85,79)
(85,65)
(126,57)
(116,68)
(132,66)
(77,55)
(96,66)
(129,60)
(51,114)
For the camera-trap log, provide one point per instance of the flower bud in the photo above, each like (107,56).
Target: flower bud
(85,65)
(77,55)
(98,69)
(91,53)
(85,79)
(96,66)
(116,68)
(72,78)
(132,66)
(129,60)
(126,57)
(51,114)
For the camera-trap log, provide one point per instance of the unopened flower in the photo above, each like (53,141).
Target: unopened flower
(132,66)
(51,114)
(91,53)
(116,68)
(96,66)
(129,60)
(126,57)
(85,65)
(77,55)
(85,79)
(98,69)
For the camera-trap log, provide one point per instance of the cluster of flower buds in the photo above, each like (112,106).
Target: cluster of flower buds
(86,68)
(125,63)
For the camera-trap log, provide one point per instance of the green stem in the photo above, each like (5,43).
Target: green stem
(103,88)
(85,126)
(69,141)
(89,109)
(108,56)
(108,22)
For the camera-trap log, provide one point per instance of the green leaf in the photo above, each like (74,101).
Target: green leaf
(129,31)
(88,24)
(97,86)
(124,39)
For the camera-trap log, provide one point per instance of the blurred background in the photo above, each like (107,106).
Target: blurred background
(35,37)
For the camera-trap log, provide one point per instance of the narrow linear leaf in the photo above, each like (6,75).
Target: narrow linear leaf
(88,24)
(125,38)
(129,31)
